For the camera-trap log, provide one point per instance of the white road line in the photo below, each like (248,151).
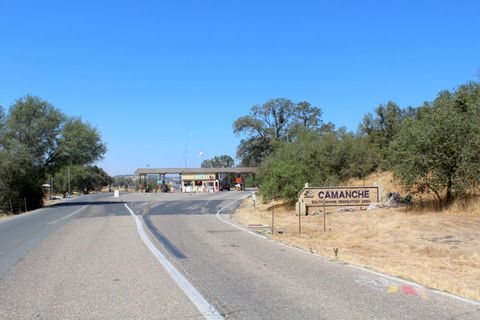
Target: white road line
(67,216)
(417,285)
(233,224)
(22,215)
(205,308)
(32,212)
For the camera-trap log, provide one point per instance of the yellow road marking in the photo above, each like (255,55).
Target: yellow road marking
(392,289)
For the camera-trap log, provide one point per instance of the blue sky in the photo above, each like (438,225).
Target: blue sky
(152,75)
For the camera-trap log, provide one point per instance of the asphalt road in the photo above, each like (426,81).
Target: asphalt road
(86,259)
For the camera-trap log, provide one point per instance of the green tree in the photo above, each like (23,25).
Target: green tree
(123,181)
(321,159)
(439,151)
(305,118)
(91,178)
(274,121)
(253,150)
(269,120)
(358,157)
(381,129)
(223,161)
(38,139)
(82,179)
(79,144)
(33,127)
(2,126)
(18,180)
(265,123)
(61,180)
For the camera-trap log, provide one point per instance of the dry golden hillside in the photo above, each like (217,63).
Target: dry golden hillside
(437,248)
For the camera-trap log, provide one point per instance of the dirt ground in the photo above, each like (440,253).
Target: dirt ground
(440,250)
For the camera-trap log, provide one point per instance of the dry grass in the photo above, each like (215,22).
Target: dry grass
(383,179)
(438,249)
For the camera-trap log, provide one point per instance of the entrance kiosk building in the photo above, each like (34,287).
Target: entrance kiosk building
(194,179)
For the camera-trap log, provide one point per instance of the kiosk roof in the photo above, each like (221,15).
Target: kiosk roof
(144,171)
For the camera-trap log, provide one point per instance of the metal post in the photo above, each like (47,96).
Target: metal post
(299,222)
(25,201)
(11,207)
(324,218)
(68,174)
(273,217)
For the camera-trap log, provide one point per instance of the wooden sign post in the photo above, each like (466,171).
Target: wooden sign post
(273,217)
(324,218)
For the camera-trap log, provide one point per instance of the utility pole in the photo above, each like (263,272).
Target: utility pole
(145,182)
(186,149)
(68,174)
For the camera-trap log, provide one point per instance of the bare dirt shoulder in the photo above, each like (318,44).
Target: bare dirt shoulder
(440,250)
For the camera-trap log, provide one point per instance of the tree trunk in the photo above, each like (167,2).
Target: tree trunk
(449,197)
(438,196)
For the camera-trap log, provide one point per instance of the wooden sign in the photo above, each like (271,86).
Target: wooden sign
(198,177)
(339,196)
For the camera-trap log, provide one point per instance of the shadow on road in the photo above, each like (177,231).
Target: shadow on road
(85,203)
(192,207)
(167,244)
